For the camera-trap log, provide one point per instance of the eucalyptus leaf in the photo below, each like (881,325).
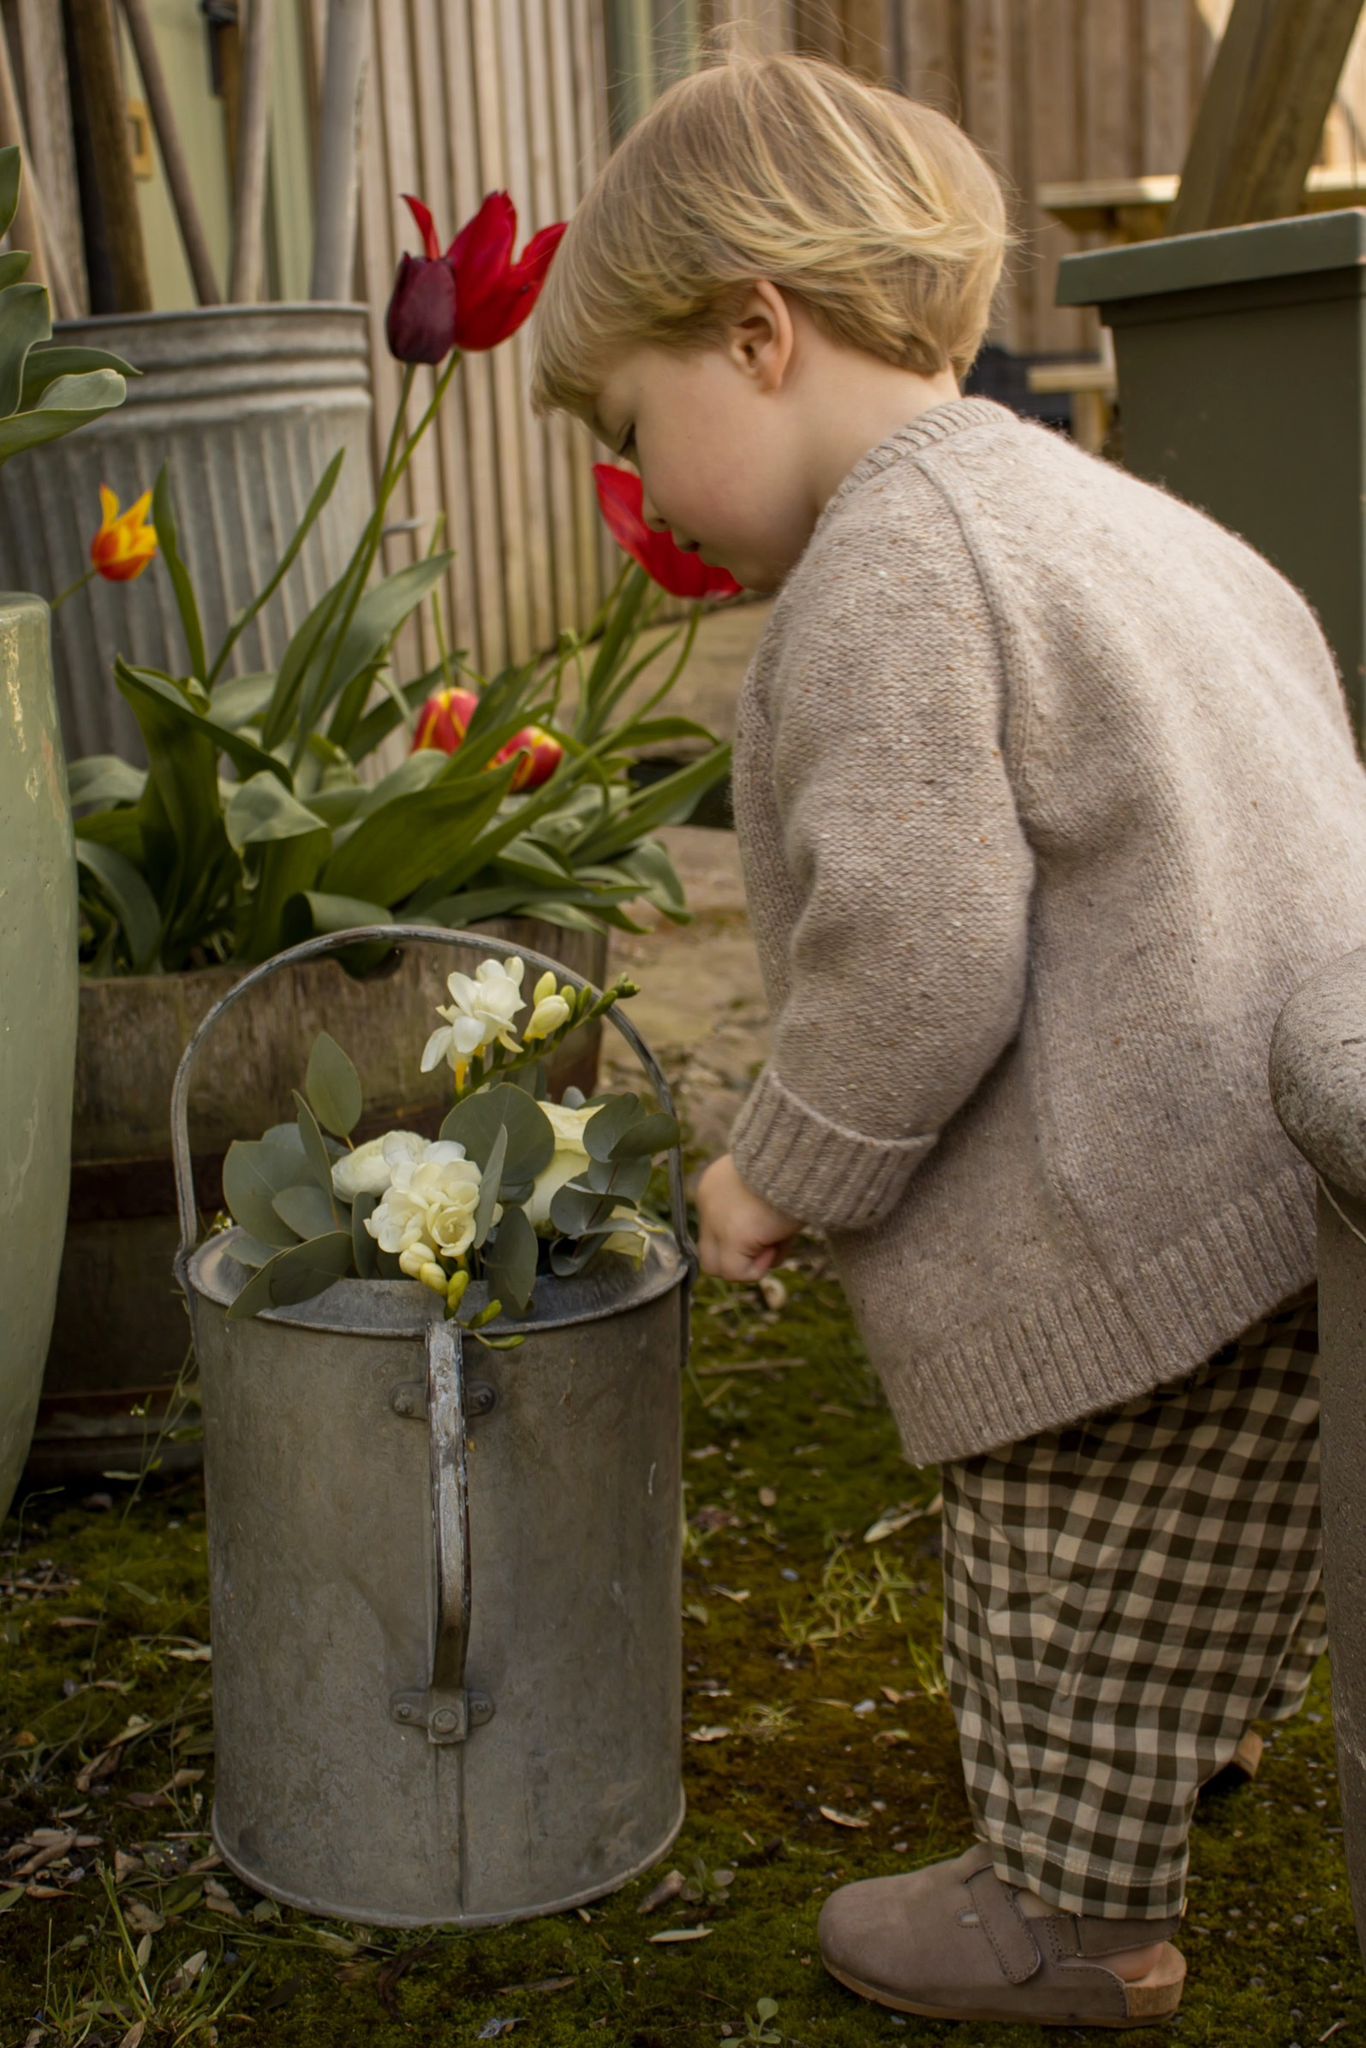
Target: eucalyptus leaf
(252,1251)
(307,1210)
(333,1087)
(315,1149)
(648,1135)
(476,1122)
(510,1260)
(254,1173)
(575,1209)
(296,1275)
(606,1125)
(490,1184)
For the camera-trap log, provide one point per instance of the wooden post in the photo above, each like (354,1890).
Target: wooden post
(109,200)
(1263,111)
(253,137)
(39,57)
(334,249)
(172,155)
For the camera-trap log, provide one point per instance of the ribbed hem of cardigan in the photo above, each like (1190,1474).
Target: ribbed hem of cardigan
(1103,1342)
(829,1177)
(938,424)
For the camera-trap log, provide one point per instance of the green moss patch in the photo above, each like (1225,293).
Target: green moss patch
(820,1749)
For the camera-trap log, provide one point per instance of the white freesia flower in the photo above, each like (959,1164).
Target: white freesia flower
(549,1014)
(431,1205)
(568,1160)
(632,1239)
(479,1013)
(370,1168)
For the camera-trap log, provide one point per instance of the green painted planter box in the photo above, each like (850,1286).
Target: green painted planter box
(1241,357)
(37,1017)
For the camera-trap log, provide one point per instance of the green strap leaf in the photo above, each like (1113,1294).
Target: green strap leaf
(47,363)
(128,896)
(327,484)
(245,755)
(333,1087)
(104,779)
(416,839)
(69,403)
(168,540)
(11,173)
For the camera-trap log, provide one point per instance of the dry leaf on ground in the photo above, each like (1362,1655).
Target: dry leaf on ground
(843,1820)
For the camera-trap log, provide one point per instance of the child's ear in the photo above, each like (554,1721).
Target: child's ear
(762,338)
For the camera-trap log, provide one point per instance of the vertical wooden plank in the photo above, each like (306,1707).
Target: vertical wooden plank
(576,157)
(929,45)
(868,38)
(40,58)
(552,200)
(1165,76)
(1207,21)
(1344,134)
(1054,99)
(525,121)
(987,118)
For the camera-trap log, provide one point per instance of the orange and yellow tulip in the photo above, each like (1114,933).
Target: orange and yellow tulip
(125,543)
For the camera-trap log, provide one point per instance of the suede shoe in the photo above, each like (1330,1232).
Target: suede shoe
(950,1943)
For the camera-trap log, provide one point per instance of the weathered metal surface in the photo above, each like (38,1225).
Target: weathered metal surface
(1318,1075)
(37,1017)
(446,1660)
(248,404)
(120,1229)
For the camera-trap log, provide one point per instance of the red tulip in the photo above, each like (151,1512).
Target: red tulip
(541,755)
(494,295)
(621,496)
(444,720)
(420,323)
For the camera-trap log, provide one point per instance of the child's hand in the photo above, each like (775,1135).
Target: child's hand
(742,1236)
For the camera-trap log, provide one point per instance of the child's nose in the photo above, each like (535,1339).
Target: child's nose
(652,518)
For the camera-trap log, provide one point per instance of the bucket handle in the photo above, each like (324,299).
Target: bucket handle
(443,1707)
(394,934)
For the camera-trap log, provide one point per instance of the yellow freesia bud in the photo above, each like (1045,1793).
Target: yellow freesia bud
(455,1293)
(544,987)
(414,1259)
(548,1016)
(434,1276)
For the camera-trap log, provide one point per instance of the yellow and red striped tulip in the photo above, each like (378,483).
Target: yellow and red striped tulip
(126,542)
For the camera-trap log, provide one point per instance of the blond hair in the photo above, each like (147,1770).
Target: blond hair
(875,211)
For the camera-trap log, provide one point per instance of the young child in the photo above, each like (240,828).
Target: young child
(1047,799)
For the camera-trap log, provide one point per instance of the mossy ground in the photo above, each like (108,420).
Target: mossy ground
(794,1624)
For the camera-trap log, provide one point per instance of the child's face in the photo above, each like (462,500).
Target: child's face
(717,441)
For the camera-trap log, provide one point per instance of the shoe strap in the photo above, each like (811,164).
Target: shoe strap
(1076,1934)
(1016,1950)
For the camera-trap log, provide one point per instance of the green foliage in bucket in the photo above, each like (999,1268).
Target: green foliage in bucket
(514,1185)
(45,391)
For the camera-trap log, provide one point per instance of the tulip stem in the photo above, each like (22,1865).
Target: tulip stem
(71,590)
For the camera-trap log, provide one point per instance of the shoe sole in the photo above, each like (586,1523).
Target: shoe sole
(1154,1997)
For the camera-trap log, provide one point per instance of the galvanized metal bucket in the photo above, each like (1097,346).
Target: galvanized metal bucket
(446,1594)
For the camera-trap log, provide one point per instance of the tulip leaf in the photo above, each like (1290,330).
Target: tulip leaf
(300,1273)
(307,1211)
(254,1172)
(476,1122)
(241,699)
(645,1137)
(14,265)
(25,320)
(49,361)
(180,813)
(333,1087)
(315,911)
(11,173)
(262,809)
(314,1144)
(490,1185)
(510,1261)
(168,541)
(668,802)
(414,839)
(68,403)
(326,485)
(245,755)
(104,779)
(606,1125)
(303,649)
(403,703)
(373,625)
(126,892)
(363,1245)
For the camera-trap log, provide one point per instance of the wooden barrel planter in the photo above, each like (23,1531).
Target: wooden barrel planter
(120,1335)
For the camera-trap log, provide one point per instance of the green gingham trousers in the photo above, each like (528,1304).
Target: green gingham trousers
(1122,1598)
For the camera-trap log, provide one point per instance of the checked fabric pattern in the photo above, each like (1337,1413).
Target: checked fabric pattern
(1121,1599)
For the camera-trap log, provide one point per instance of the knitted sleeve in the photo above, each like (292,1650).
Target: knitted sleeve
(902,872)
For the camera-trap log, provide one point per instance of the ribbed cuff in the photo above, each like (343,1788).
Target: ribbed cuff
(826,1176)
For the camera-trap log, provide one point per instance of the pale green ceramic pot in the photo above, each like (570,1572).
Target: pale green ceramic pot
(38,973)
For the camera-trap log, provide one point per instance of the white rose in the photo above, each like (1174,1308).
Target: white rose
(569,1159)
(480,1011)
(370,1168)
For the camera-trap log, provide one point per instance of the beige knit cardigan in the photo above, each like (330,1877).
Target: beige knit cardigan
(1047,799)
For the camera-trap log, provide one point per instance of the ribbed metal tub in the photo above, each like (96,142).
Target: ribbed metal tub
(445,1587)
(248,404)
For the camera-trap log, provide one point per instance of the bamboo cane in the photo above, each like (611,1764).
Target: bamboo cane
(104,105)
(339,149)
(172,154)
(253,136)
